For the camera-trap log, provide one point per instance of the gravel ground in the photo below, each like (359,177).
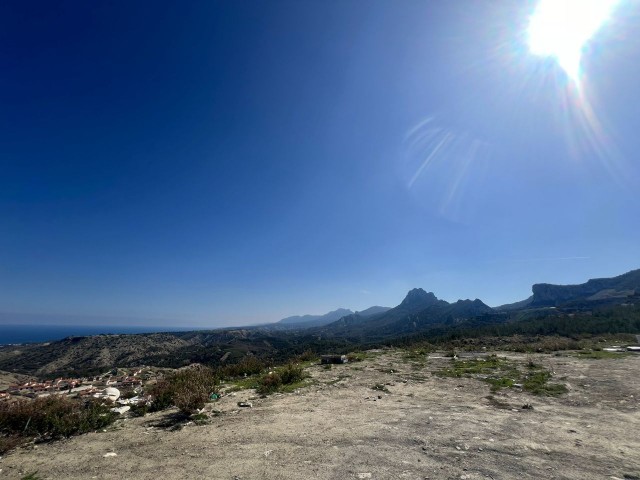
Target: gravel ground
(422,427)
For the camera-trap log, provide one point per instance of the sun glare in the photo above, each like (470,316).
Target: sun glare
(560,29)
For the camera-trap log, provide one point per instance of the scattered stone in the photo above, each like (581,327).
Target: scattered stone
(527,406)
(245,404)
(110,454)
(121,410)
(364,475)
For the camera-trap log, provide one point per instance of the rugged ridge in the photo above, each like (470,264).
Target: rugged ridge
(419,310)
(316,319)
(597,289)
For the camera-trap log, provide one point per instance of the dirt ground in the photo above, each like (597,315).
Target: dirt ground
(423,427)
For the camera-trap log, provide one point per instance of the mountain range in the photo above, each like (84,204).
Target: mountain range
(421,309)
(551,309)
(307,321)
(620,289)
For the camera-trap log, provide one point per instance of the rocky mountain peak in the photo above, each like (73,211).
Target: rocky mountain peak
(418,297)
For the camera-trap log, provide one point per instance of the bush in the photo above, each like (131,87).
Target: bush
(249,365)
(356,357)
(307,356)
(10,442)
(286,375)
(51,417)
(292,374)
(270,383)
(187,389)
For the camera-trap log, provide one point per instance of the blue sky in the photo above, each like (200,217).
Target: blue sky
(219,163)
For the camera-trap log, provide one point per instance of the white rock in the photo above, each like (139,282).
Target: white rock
(122,409)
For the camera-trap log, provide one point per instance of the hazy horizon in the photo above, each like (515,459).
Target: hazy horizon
(222,163)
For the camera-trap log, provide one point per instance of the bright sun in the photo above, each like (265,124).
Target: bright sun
(560,28)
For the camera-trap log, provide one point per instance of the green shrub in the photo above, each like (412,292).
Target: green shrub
(356,356)
(32,476)
(288,375)
(270,383)
(307,356)
(55,416)
(249,365)
(187,389)
(292,374)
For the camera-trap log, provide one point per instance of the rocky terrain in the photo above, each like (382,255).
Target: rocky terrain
(390,416)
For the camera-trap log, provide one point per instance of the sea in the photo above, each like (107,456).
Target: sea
(32,333)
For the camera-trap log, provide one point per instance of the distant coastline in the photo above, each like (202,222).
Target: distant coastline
(35,333)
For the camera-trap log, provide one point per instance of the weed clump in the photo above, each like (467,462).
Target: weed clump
(501,373)
(187,389)
(248,366)
(49,418)
(356,356)
(380,387)
(280,378)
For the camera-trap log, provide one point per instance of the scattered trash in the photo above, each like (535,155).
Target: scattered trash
(245,404)
(329,359)
(214,396)
(364,475)
(121,410)
(110,454)
(527,406)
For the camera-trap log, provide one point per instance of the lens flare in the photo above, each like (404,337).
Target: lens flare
(561,28)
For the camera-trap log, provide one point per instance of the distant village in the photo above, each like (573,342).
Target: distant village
(106,385)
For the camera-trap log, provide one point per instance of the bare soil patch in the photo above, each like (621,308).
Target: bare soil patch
(387,417)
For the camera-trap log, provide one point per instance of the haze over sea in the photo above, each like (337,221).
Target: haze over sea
(10,334)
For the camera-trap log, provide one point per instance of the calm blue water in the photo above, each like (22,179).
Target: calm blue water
(45,333)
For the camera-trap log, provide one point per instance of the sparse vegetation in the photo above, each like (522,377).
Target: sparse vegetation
(188,389)
(307,356)
(502,373)
(200,418)
(249,365)
(49,418)
(281,379)
(600,354)
(32,476)
(380,387)
(357,356)
(418,356)
(497,402)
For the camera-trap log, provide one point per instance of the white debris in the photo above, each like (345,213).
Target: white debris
(121,410)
